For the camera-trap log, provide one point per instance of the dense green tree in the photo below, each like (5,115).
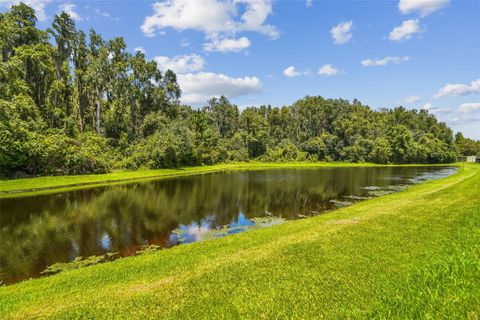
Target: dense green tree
(80,59)
(466,146)
(254,128)
(223,116)
(77,103)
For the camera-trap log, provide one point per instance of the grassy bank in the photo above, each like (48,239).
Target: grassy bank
(42,185)
(414,254)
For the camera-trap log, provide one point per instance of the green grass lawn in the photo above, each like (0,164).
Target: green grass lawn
(409,255)
(42,185)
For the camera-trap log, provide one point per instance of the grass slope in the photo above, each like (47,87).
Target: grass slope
(414,254)
(42,185)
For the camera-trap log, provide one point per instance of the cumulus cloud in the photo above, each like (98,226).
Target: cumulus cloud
(209,16)
(422,7)
(180,64)
(385,61)
(405,31)
(253,19)
(200,87)
(70,9)
(435,110)
(469,107)
(37,5)
(291,72)
(227,45)
(328,70)
(342,33)
(412,99)
(140,49)
(213,17)
(458,89)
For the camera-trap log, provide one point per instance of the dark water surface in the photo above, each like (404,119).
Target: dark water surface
(38,231)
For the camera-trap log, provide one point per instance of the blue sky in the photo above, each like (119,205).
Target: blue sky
(415,53)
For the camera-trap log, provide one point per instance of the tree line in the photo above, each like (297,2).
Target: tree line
(467,146)
(72,103)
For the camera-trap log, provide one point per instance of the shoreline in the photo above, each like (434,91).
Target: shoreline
(14,188)
(386,257)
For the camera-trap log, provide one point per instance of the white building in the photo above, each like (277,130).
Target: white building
(470,159)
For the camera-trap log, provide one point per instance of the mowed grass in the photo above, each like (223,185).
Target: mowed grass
(410,255)
(43,185)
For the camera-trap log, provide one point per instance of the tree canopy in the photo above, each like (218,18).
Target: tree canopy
(73,103)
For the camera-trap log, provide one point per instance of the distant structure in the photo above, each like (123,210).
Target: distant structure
(469,159)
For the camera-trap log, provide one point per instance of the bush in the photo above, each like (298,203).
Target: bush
(235,148)
(381,151)
(160,150)
(53,153)
(316,148)
(284,152)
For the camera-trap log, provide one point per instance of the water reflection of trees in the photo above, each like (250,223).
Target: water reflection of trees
(39,231)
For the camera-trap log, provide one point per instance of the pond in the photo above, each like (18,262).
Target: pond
(38,231)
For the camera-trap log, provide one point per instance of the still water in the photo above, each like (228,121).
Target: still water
(38,231)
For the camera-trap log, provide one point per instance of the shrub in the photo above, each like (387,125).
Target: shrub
(54,153)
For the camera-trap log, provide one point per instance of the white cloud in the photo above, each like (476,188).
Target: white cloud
(198,88)
(341,33)
(435,110)
(385,61)
(213,17)
(308,3)
(180,64)
(255,14)
(226,45)
(209,16)
(469,107)
(140,49)
(428,106)
(458,89)
(422,7)
(184,43)
(405,31)
(328,70)
(291,72)
(70,9)
(104,14)
(37,5)
(412,99)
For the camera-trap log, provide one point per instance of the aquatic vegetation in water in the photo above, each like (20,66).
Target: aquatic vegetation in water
(397,188)
(301,216)
(148,249)
(352,197)
(376,191)
(341,203)
(79,262)
(216,233)
(182,235)
(371,188)
(267,221)
(379,193)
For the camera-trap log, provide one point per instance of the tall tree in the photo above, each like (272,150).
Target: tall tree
(64,34)
(80,59)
